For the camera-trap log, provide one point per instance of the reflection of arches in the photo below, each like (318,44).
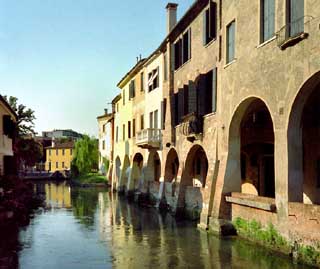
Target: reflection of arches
(172,166)
(153,167)
(251,149)
(303,144)
(124,173)
(136,172)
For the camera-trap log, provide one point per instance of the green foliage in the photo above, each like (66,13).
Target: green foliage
(106,163)
(86,154)
(91,178)
(267,236)
(25,119)
(308,254)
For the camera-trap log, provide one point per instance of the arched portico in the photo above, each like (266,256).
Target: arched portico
(136,172)
(193,179)
(125,173)
(116,180)
(304,144)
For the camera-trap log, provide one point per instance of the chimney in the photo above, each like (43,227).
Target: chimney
(105,111)
(171,16)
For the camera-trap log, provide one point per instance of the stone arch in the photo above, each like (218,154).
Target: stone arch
(172,166)
(136,172)
(125,173)
(250,163)
(193,179)
(303,144)
(153,167)
(116,181)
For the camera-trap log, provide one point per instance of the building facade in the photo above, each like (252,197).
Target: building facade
(8,120)
(105,140)
(59,156)
(240,115)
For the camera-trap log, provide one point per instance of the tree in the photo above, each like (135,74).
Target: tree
(25,117)
(86,155)
(30,152)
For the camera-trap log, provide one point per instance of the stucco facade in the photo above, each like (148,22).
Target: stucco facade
(105,140)
(59,156)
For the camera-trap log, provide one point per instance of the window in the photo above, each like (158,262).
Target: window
(57,165)
(186,51)
(267,19)
(142,82)
(153,79)
(49,166)
(132,89)
(57,152)
(49,152)
(117,134)
(142,122)
(123,97)
(210,23)
(103,128)
(151,120)
(155,119)
(129,129)
(123,132)
(62,164)
(133,128)
(62,152)
(103,144)
(71,152)
(295,17)
(231,41)
(182,49)
(165,66)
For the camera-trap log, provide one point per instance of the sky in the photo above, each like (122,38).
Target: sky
(64,58)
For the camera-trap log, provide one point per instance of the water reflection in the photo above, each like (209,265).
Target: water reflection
(91,228)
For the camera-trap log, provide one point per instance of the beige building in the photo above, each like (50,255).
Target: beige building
(8,120)
(241,84)
(59,156)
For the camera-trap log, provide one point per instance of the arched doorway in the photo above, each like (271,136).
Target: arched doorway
(154,167)
(170,179)
(304,144)
(250,166)
(136,171)
(193,179)
(125,173)
(116,182)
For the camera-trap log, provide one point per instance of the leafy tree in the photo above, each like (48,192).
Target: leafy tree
(25,119)
(86,155)
(29,151)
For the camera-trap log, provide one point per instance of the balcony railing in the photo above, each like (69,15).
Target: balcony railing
(192,126)
(293,32)
(149,138)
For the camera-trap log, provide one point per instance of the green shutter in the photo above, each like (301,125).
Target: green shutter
(214,90)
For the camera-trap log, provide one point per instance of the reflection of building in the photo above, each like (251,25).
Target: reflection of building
(59,156)
(241,116)
(7,128)
(58,195)
(105,138)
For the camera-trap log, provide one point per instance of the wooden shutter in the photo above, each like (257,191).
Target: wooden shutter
(213,20)
(173,110)
(192,97)
(296,16)
(189,43)
(214,90)
(163,112)
(181,104)
(201,95)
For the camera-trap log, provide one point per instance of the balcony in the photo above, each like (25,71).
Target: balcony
(149,138)
(293,32)
(192,126)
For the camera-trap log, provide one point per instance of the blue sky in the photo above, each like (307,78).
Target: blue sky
(63,58)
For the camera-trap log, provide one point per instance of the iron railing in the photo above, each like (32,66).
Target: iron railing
(292,32)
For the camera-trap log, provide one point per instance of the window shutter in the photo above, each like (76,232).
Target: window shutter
(204,30)
(6,124)
(208,92)
(201,93)
(296,12)
(271,16)
(192,98)
(173,110)
(181,104)
(214,90)
(189,43)
(213,20)
(163,113)
(142,81)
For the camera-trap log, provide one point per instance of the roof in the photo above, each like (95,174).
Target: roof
(104,116)
(116,99)
(63,145)
(131,73)
(5,103)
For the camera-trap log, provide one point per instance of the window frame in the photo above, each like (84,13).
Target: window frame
(228,59)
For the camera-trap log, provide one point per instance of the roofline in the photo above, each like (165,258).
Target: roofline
(8,107)
(105,116)
(131,73)
(116,99)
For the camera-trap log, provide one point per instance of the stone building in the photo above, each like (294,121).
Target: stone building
(240,133)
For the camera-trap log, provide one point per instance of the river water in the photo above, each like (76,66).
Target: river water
(94,228)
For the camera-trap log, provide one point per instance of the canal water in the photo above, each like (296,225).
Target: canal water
(94,228)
